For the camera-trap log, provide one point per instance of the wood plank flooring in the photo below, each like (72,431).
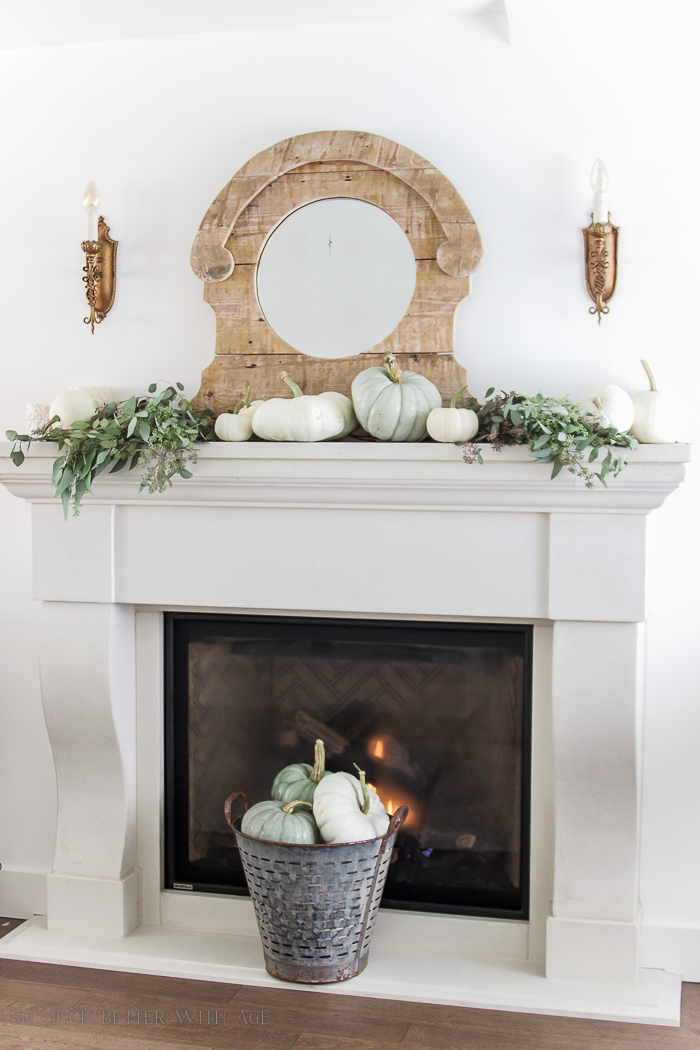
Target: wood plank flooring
(45,1007)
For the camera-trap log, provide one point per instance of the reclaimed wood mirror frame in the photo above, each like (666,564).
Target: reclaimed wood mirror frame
(288,175)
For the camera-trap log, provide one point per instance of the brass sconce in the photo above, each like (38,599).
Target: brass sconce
(100,261)
(600,246)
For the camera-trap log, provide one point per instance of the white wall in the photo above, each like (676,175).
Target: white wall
(516,128)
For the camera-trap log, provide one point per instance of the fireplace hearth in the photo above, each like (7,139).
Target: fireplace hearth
(437,714)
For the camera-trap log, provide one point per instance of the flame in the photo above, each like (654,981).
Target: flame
(372,788)
(378,751)
(390,808)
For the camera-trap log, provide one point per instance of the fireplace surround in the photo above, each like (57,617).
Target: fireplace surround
(367,532)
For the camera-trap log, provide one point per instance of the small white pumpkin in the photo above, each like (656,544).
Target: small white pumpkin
(72,407)
(304,417)
(393,405)
(655,415)
(611,404)
(237,425)
(453,424)
(103,395)
(346,810)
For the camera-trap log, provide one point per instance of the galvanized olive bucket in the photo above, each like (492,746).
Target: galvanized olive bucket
(316,905)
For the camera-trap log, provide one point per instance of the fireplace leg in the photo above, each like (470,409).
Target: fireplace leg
(87,683)
(593,933)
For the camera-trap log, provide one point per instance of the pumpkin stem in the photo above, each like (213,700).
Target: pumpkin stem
(294,387)
(453,402)
(247,397)
(319,763)
(650,375)
(365,790)
(392,367)
(237,408)
(598,403)
(289,808)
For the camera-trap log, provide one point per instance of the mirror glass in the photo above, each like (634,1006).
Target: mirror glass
(335,277)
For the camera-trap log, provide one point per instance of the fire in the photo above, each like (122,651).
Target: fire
(390,808)
(378,750)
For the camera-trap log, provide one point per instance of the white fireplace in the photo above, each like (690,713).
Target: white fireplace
(355,530)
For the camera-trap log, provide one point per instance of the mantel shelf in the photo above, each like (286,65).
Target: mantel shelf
(372,474)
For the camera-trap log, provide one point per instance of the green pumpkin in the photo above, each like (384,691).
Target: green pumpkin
(299,780)
(277,822)
(392,405)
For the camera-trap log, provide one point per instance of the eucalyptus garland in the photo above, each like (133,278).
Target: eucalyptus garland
(555,430)
(156,432)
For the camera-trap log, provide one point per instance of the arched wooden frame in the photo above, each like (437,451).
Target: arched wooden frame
(295,172)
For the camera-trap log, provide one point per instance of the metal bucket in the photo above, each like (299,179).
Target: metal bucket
(316,905)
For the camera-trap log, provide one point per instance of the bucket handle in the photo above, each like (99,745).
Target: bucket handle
(229,803)
(394,824)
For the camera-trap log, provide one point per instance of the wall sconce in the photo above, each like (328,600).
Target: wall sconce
(600,245)
(100,261)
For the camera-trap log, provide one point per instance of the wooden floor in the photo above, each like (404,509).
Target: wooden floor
(59,1007)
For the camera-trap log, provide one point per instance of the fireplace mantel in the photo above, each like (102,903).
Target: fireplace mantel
(372,474)
(355,529)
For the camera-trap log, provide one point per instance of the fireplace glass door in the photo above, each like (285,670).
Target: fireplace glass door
(437,714)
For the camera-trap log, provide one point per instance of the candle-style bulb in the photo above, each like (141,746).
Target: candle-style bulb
(91,197)
(91,202)
(600,180)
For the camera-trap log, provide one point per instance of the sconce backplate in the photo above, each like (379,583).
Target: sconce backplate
(600,244)
(104,299)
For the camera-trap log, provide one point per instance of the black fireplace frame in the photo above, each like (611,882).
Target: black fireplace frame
(177,869)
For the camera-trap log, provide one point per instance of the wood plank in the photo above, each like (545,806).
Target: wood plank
(224,381)
(7,925)
(85,978)
(690,1007)
(530,1031)
(55,1037)
(325,1014)
(316,1041)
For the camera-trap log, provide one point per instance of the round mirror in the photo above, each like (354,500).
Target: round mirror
(335,277)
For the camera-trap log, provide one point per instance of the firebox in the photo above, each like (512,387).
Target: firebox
(438,715)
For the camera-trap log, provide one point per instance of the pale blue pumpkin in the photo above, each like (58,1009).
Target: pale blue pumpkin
(299,780)
(280,822)
(392,405)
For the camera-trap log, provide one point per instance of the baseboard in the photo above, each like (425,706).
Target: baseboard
(22,893)
(672,948)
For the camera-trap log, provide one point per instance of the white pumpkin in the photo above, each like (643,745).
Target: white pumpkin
(103,395)
(655,415)
(393,405)
(304,417)
(611,404)
(453,424)
(72,407)
(346,810)
(237,425)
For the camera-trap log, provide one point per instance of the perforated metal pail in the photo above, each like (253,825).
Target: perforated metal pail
(316,905)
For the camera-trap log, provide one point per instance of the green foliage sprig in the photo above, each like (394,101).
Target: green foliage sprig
(555,430)
(154,432)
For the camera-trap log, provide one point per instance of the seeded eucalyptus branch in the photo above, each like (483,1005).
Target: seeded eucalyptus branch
(154,432)
(555,430)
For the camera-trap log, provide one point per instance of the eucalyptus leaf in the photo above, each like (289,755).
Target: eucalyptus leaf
(555,430)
